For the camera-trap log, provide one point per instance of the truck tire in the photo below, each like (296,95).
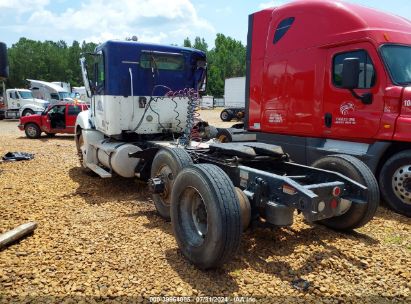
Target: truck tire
(32,130)
(224,135)
(167,164)
(239,126)
(239,115)
(395,182)
(27,112)
(79,143)
(205,215)
(226,115)
(358,214)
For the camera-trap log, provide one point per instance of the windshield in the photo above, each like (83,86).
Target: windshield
(398,60)
(25,95)
(63,95)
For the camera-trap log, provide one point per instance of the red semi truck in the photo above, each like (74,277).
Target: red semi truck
(328,77)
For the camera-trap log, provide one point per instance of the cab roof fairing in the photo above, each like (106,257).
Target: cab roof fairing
(120,56)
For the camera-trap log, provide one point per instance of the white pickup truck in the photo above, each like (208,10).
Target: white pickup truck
(20,102)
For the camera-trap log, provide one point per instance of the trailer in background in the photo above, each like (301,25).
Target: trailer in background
(64,85)
(49,91)
(207,102)
(81,94)
(234,99)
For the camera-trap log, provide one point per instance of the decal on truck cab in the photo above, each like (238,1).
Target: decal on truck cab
(275,118)
(100,106)
(346,108)
(407,103)
(345,121)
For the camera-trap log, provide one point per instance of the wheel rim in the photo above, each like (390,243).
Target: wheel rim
(222,138)
(194,217)
(224,115)
(167,176)
(31,131)
(401,184)
(28,113)
(80,148)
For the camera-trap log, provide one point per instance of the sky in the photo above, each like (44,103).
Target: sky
(158,21)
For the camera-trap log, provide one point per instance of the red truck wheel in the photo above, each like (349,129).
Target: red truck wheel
(356,215)
(395,182)
(32,130)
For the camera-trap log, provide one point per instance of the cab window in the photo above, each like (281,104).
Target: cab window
(54,96)
(74,110)
(173,62)
(283,28)
(57,109)
(367,71)
(99,73)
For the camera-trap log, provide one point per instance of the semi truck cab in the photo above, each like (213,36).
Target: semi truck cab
(327,77)
(20,102)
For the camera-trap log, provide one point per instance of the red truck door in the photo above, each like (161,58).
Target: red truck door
(45,121)
(56,118)
(72,112)
(344,116)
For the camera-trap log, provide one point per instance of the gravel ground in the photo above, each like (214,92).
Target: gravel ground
(102,240)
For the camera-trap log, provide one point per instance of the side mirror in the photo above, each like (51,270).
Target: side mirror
(201,77)
(4,66)
(86,80)
(350,73)
(350,79)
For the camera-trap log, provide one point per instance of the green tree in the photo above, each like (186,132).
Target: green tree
(187,42)
(227,59)
(200,44)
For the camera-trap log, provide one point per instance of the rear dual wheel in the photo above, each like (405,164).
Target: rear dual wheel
(206,215)
(356,215)
(167,163)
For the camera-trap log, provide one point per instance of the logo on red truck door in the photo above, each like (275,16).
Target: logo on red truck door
(346,110)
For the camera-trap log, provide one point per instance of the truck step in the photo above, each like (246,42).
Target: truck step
(99,171)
